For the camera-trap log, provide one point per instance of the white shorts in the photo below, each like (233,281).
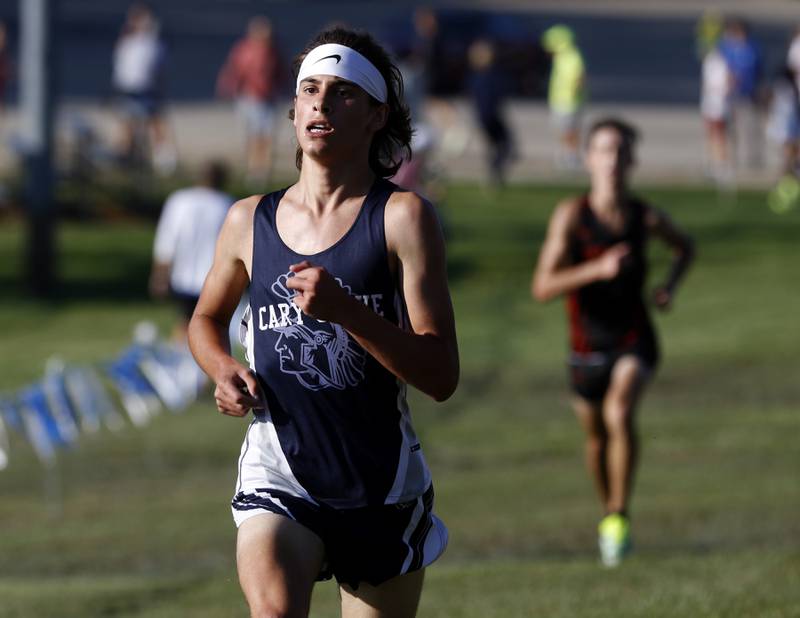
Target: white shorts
(258,116)
(565,121)
(371,543)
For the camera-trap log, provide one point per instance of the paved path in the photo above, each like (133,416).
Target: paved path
(760,10)
(672,149)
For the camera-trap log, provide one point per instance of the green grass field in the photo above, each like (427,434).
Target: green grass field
(137,524)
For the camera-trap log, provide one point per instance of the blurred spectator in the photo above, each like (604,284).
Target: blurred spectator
(185,239)
(715,107)
(412,170)
(138,65)
(783,123)
(707,32)
(5,64)
(427,53)
(567,93)
(783,129)
(252,75)
(489,88)
(412,60)
(5,79)
(793,56)
(428,48)
(415,172)
(743,56)
(413,64)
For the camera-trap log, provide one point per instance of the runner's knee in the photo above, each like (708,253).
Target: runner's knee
(267,601)
(271,611)
(629,375)
(618,418)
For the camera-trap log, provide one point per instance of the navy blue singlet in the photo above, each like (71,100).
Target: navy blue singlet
(342,435)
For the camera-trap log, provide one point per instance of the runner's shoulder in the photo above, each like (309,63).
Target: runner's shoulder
(238,226)
(566,214)
(242,211)
(407,212)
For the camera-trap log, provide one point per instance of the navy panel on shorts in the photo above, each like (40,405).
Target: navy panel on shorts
(370,544)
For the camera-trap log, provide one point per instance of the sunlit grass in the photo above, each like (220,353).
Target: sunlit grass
(137,524)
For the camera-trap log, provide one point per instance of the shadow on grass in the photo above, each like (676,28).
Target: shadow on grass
(115,279)
(459,268)
(103,595)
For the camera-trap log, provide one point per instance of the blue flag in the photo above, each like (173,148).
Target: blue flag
(138,396)
(91,400)
(40,428)
(61,410)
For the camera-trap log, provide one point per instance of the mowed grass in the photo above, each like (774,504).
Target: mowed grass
(137,524)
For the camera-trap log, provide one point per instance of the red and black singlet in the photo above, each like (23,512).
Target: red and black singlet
(611,316)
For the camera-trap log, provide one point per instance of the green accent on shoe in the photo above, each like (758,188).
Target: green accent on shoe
(614,539)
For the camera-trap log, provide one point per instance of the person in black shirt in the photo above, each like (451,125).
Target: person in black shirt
(489,87)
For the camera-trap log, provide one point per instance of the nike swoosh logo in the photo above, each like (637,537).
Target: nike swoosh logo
(337,56)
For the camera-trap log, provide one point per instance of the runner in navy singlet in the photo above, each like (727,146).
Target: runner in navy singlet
(595,255)
(348,304)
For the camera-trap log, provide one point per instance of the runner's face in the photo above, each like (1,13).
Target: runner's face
(333,116)
(608,156)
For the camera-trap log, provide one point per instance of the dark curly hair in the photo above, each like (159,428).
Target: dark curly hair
(628,133)
(392,143)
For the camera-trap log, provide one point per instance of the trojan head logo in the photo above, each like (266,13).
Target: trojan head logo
(319,354)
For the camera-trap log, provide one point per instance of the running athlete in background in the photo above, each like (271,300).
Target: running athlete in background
(595,255)
(349,303)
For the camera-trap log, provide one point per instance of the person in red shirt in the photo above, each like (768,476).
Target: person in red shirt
(252,76)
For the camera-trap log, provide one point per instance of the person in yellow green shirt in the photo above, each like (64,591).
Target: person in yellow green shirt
(708,31)
(567,92)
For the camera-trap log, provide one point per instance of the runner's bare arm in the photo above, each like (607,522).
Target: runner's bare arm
(426,356)
(660,225)
(236,389)
(554,274)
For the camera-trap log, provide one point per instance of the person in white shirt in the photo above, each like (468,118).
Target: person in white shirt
(793,56)
(186,235)
(715,107)
(783,122)
(137,77)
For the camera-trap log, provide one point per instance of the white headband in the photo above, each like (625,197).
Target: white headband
(344,62)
